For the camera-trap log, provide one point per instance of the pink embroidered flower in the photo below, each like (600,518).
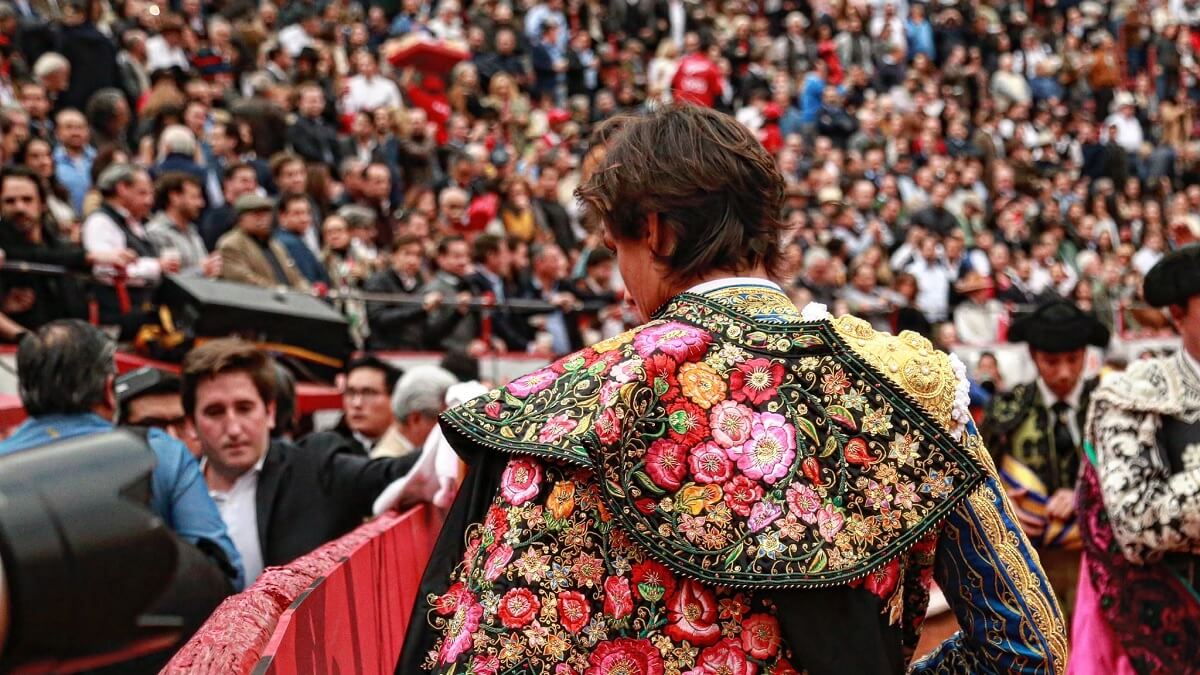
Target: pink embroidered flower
(677,340)
(769,453)
(609,392)
(724,658)
(608,426)
(829,521)
(528,385)
(627,371)
(763,514)
(741,493)
(666,462)
(556,427)
(709,463)
(756,381)
(521,480)
(804,502)
(730,423)
(462,626)
(497,561)
(485,664)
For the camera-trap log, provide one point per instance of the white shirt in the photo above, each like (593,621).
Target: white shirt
(1129,131)
(717,284)
(370,94)
(100,233)
(160,54)
(1072,401)
(239,510)
(294,39)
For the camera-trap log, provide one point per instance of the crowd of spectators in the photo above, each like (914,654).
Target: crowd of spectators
(947,163)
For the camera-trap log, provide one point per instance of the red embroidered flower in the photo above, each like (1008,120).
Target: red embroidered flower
(625,656)
(573,610)
(661,374)
(608,426)
(497,561)
(666,462)
(724,658)
(618,598)
(521,480)
(710,464)
(496,522)
(448,602)
(881,582)
(652,581)
(783,668)
(518,608)
(755,381)
(760,636)
(692,615)
(741,493)
(587,570)
(492,410)
(687,423)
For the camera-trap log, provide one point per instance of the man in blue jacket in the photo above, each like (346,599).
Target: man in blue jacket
(66,373)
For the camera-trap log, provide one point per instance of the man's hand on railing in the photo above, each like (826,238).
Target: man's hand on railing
(170,264)
(117,257)
(211,266)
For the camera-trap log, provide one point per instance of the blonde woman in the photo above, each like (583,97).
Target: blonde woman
(505,96)
(662,69)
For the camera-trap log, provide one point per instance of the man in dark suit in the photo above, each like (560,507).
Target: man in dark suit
(493,266)
(279,500)
(309,135)
(549,212)
(398,326)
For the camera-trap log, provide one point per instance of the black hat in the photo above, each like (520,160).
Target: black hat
(141,382)
(1175,278)
(1058,326)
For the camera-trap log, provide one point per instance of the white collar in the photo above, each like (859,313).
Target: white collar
(717,284)
(254,471)
(1072,399)
(1190,361)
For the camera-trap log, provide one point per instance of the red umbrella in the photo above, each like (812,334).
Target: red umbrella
(427,56)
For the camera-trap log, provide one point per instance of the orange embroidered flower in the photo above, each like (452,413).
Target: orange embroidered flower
(561,502)
(703,385)
(697,498)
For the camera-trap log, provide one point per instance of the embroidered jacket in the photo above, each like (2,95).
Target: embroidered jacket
(1139,506)
(733,489)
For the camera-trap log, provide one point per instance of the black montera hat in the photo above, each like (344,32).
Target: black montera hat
(1059,326)
(1175,278)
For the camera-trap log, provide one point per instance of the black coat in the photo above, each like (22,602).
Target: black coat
(394,326)
(93,58)
(316,491)
(56,297)
(315,142)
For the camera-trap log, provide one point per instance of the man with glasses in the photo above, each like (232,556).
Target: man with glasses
(366,401)
(149,397)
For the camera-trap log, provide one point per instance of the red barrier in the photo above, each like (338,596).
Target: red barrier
(341,608)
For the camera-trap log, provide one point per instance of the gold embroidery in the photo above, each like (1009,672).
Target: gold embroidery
(1042,607)
(756,302)
(907,359)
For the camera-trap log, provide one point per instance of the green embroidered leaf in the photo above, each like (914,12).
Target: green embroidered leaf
(831,446)
(808,341)
(645,481)
(842,416)
(660,386)
(734,555)
(596,368)
(513,400)
(808,428)
(818,563)
(507,432)
(679,421)
(574,364)
(614,488)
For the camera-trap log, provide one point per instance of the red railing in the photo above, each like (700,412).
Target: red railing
(342,608)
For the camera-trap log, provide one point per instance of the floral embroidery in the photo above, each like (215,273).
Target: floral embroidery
(750,451)
(521,481)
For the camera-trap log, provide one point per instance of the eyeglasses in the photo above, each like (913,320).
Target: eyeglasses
(364,394)
(162,423)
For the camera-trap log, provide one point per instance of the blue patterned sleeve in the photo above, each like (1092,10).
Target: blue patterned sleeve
(993,581)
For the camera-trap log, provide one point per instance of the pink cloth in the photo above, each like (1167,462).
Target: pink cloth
(1094,648)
